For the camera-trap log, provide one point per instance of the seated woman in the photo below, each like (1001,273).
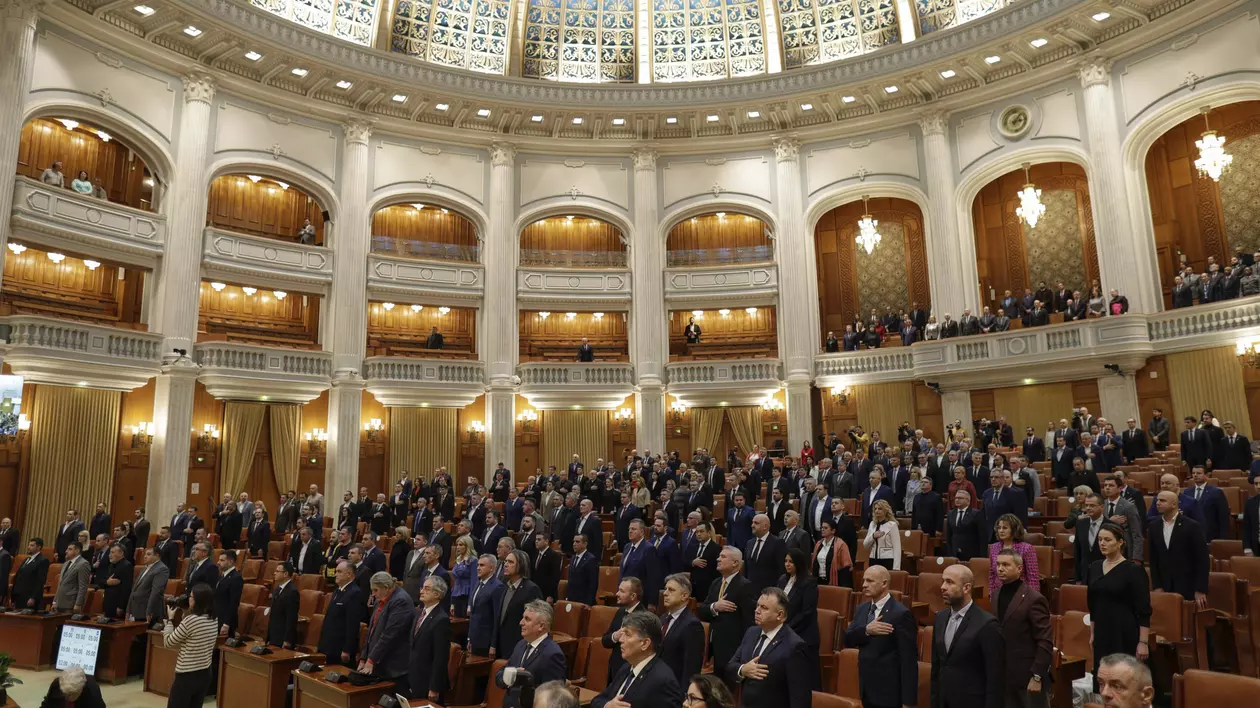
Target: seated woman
(82,184)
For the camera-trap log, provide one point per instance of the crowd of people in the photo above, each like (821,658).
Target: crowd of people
(82,182)
(1238,279)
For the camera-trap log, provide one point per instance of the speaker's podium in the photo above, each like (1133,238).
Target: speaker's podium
(258,680)
(29,639)
(314,690)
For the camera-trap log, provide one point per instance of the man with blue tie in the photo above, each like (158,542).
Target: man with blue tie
(739,522)
(645,680)
(583,573)
(874,492)
(422,523)
(637,558)
(484,607)
(668,555)
(885,634)
(535,660)
(1212,504)
(772,660)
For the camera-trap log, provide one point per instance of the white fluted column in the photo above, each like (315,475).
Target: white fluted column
(649,335)
(1125,259)
(798,317)
(17,37)
(347,330)
(956,405)
(953,279)
(178,295)
(1118,397)
(501,346)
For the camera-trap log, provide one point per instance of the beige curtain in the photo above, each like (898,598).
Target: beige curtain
(421,440)
(706,429)
(74,441)
(286,444)
(1211,379)
(883,407)
(567,432)
(746,422)
(1035,405)
(242,424)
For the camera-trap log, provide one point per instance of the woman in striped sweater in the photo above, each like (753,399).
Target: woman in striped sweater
(195,639)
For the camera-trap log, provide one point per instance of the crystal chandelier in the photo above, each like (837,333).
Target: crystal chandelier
(1030,208)
(1248,353)
(1213,160)
(868,238)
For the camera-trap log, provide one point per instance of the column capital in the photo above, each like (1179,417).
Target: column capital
(22,10)
(933,122)
(644,158)
(786,149)
(198,88)
(358,130)
(1095,71)
(502,154)
(348,379)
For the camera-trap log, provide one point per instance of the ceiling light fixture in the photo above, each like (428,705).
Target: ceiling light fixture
(418,207)
(721,215)
(299,72)
(144,10)
(724,312)
(17,248)
(598,315)
(891,89)
(387,305)
(483,112)
(807,106)
(619,121)
(671,120)
(249,291)
(442,106)
(698,314)
(948,74)
(399,98)
(105,137)
(69,123)
(712,118)
(218,287)
(56,257)
(445,210)
(1101,16)
(1039,42)
(750,310)
(1030,208)
(577,121)
(537,119)
(992,59)
(544,315)
(254,178)
(283,185)
(91,264)
(848,99)
(343,84)
(868,235)
(192,31)
(754,114)
(1213,160)
(443,310)
(253,56)
(280,294)
(570,315)
(417,308)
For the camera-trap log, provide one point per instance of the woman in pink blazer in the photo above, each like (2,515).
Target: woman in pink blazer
(1010,534)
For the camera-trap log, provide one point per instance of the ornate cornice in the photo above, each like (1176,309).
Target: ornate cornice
(933,122)
(502,154)
(645,158)
(26,11)
(198,88)
(786,149)
(358,130)
(1095,71)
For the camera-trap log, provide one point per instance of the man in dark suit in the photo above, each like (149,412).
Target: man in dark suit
(794,536)
(772,661)
(227,595)
(1133,442)
(9,536)
(546,572)
(67,534)
(1251,521)
(1236,452)
(282,619)
(534,660)
(884,633)
(1212,504)
(585,352)
(764,556)
(583,574)
(999,500)
(386,653)
(32,575)
(928,514)
(1182,294)
(101,522)
(1087,526)
(1159,430)
(967,648)
(739,522)
(701,561)
(430,643)
(6,566)
(629,600)
(588,523)
(728,607)
(1023,615)
(118,584)
(873,493)
(307,556)
(167,549)
(637,558)
(484,607)
(682,642)
(192,524)
(200,568)
(1181,563)
(775,510)
(965,533)
(339,637)
(1196,445)
(655,683)
(1033,447)
(488,540)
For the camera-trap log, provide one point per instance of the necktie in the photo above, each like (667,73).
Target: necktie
(420,620)
(757,550)
(761,643)
(529,649)
(538,563)
(669,619)
(1198,492)
(722,590)
(951,629)
(960,518)
(1111,509)
(626,686)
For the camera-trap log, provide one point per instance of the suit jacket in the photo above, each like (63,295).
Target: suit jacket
(387,645)
(702,578)
(1134,545)
(1010,501)
(966,540)
(259,536)
(1086,552)
(1159,430)
(1034,449)
(640,562)
(882,493)
(787,659)
(1235,455)
(100,524)
(28,583)
(546,572)
(1215,511)
(593,529)
(484,605)
(1181,566)
(430,653)
(797,538)
(682,647)
(413,574)
(1029,643)
(381,516)
(545,664)
(1133,444)
(342,619)
(726,629)
(764,570)
(9,540)
(888,665)
(656,685)
(6,565)
(929,513)
(227,600)
(168,553)
(586,353)
(1182,296)
(970,672)
(1251,526)
(207,573)
(615,662)
(1196,447)
(117,597)
(282,620)
(739,525)
(67,533)
(73,585)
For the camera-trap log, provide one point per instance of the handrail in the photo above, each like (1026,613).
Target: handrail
(719,256)
(413,248)
(570,259)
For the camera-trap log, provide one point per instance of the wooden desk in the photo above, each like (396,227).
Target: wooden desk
(113,658)
(159,665)
(29,639)
(260,681)
(586,695)
(312,691)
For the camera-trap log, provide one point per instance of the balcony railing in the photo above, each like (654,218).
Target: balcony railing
(725,371)
(719,256)
(441,371)
(63,218)
(246,371)
(49,350)
(408,248)
(261,256)
(573,259)
(542,374)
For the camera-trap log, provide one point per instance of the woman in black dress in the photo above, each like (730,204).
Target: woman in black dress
(802,592)
(1119,601)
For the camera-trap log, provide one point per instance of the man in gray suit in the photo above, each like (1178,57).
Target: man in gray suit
(413,568)
(794,536)
(73,586)
(146,601)
(1121,511)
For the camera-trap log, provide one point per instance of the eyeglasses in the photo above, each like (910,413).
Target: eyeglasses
(693,700)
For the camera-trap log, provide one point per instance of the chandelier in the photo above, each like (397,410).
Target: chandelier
(868,238)
(1213,160)
(1030,208)
(1249,353)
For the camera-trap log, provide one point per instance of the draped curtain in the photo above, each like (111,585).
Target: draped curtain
(74,442)
(706,429)
(1211,379)
(421,440)
(1035,405)
(884,406)
(567,432)
(286,444)
(746,422)
(242,424)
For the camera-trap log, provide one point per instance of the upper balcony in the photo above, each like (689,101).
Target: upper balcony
(64,220)
(734,382)
(46,350)
(406,381)
(269,262)
(425,232)
(230,370)
(559,386)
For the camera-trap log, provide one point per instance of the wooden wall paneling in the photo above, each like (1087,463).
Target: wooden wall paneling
(759,330)
(121,170)
(927,412)
(238,204)
(404,223)
(203,472)
(838,417)
(1251,386)
(402,325)
(312,465)
(982,406)
(621,433)
(557,337)
(577,234)
(1153,392)
(472,456)
(293,321)
(710,232)
(1085,393)
(528,448)
(373,456)
(131,474)
(33,283)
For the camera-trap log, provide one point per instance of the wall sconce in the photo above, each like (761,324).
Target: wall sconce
(677,410)
(373,428)
(840,394)
(316,441)
(476,429)
(623,417)
(141,435)
(208,436)
(772,406)
(527,418)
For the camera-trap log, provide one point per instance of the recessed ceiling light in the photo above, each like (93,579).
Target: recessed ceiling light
(948,74)
(253,56)
(400,98)
(891,89)
(483,112)
(254,178)
(105,137)
(343,84)
(1100,16)
(442,106)
(91,264)
(218,287)
(192,31)
(1039,42)
(537,119)
(712,118)
(418,207)
(69,123)
(298,72)
(754,114)
(671,120)
(446,211)
(144,10)
(577,121)
(248,290)
(283,185)
(807,106)
(993,59)
(849,99)
(619,121)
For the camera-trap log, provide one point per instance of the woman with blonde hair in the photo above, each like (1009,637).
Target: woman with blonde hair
(882,537)
(398,552)
(464,574)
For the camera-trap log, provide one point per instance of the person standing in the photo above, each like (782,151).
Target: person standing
(145,601)
(1179,553)
(283,619)
(772,661)
(967,648)
(884,633)
(1023,615)
(430,643)
(227,595)
(801,591)
(682,636)
(728,607)
(484,606)
(586,352)
(1159,429)
(1212,504)
(535,660)
(647,680)
(1087,526)
(339,637)
(765,555)
(629,601)
(1119,599)
(194,640)
(964,528)
(1196,444)
(518,592)
(386,652)
(117,584)
(72,587)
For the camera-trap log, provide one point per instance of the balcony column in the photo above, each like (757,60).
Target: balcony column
(956,405)
(17,36)
(347,330)
(1118,396)
(1126,260)
(954,282)
(797,315)
(501,346)
(175,306)
(649,335)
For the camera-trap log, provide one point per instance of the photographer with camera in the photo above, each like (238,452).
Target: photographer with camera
(194,639)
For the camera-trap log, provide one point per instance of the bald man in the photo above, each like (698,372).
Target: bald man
(884,633)
(1179,556)
(764,556)
(1125,682)
(967,648)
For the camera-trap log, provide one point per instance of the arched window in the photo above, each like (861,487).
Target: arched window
(695,40)
(580,40)
(465,34)
(943,14)
(819,31)
(352,20)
